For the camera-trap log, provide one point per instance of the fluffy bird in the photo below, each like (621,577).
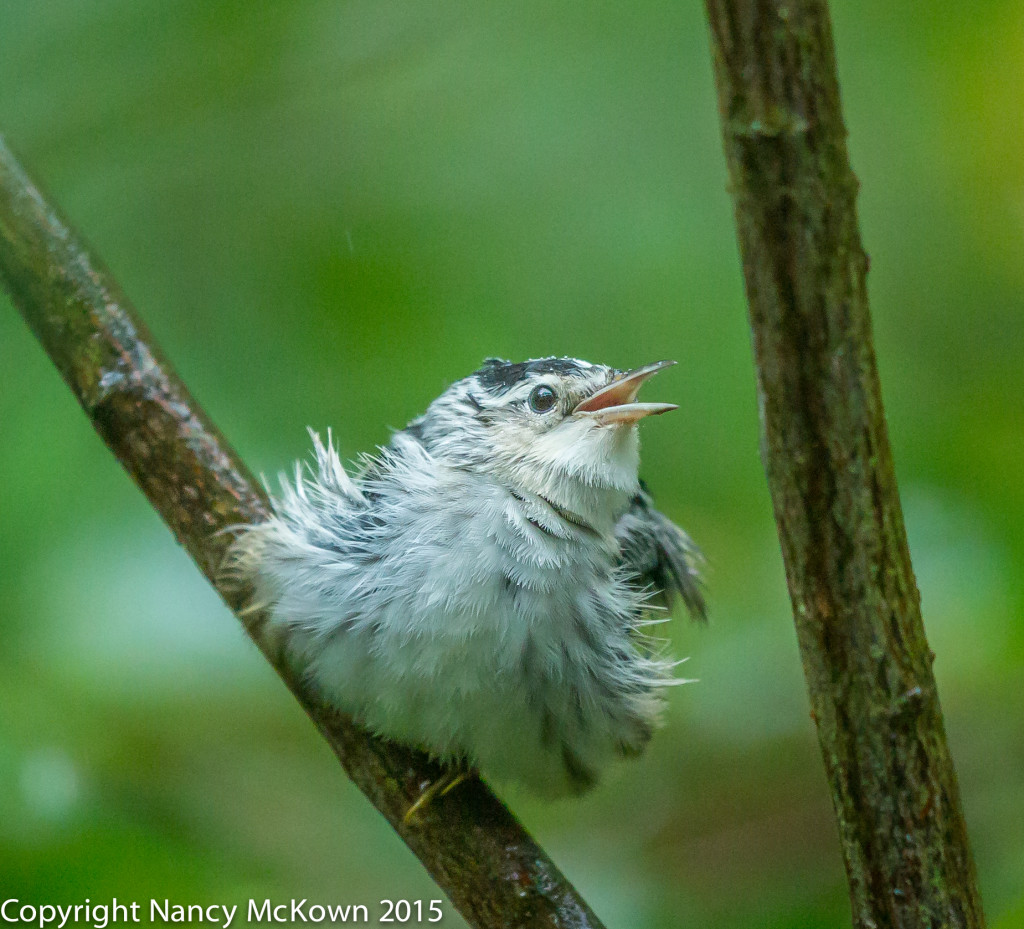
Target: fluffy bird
(482,588)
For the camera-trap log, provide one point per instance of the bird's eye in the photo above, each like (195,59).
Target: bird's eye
(542,399)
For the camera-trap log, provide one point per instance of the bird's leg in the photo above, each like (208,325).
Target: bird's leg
(446,783)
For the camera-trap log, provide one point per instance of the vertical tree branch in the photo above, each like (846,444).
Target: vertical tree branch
(830,471)
(479,855)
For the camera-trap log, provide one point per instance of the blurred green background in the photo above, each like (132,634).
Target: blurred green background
(326,211)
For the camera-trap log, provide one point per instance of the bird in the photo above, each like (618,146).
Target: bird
(483,587)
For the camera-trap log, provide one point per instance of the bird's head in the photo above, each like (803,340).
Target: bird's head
(557,427)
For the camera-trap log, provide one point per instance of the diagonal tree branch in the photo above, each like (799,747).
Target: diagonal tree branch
(830,471)
(494,873)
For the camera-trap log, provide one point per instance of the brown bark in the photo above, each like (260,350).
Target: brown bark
(830,470)
(492,871)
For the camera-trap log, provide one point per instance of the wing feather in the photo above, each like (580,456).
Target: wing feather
(661,554)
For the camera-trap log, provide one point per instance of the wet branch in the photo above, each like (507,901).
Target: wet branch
(830,470)
(479,855)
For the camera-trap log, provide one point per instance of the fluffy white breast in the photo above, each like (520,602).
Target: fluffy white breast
(446,610)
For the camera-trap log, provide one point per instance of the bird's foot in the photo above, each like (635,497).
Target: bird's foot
(446,783)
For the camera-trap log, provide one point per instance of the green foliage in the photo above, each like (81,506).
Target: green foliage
(325,212)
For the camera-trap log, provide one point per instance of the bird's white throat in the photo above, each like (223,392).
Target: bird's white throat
(589,470)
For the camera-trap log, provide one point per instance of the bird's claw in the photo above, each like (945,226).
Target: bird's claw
(446,783)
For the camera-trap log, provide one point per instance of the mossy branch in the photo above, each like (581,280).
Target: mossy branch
(485,862)
(830,470)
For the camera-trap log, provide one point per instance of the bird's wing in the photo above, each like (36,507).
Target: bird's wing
(660,553)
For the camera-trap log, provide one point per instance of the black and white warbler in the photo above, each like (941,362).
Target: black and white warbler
(480,588)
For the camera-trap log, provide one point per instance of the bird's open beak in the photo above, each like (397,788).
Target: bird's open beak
(616,403)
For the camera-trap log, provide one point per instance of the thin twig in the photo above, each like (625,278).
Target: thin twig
(493,872)
(830,471)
